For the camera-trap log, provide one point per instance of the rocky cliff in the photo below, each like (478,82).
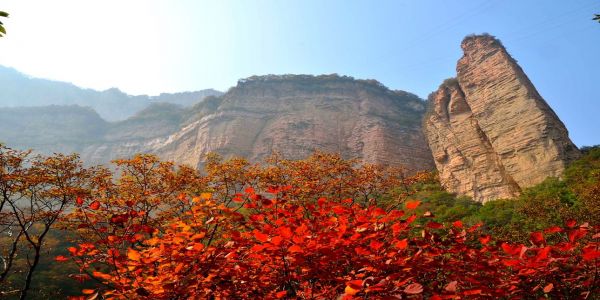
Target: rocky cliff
(290,114)
(490,132)
(296,115)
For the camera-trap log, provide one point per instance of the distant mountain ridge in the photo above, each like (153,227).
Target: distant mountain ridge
(20,90)
(54,128)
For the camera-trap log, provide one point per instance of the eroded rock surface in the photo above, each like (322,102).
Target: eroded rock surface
(296,114)
(293,115)
(490,132)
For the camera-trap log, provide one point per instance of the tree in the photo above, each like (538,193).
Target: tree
(242,232)
(36,192)
(12,165)
(314,228)
(337,249)
(2,30)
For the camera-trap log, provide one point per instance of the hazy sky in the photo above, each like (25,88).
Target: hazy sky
(153,46)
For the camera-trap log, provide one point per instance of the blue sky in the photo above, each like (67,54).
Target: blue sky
(153,46)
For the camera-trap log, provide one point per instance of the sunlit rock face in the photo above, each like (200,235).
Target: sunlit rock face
(489,130)
(293,115)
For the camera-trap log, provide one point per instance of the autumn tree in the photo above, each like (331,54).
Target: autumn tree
(227,178)
(127,205)
(36,192)
(332,249)
(329,175)
(319,175)
(12,165)
(268,239)
(148,229)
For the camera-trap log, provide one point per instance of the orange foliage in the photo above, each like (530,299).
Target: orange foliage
(314,228)
(332,249)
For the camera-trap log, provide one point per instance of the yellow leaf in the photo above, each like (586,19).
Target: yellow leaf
(350,291)
(205,196)
(152,242)
(133,255)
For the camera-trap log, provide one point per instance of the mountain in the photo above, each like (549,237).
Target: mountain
(51,128)
(19,90)
(490,131)
(293,115)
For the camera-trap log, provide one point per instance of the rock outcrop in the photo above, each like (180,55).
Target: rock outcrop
(490,132)
(293,115)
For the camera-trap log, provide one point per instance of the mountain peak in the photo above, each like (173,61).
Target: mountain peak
(490,131)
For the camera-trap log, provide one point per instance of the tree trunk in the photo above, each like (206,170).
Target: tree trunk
(32,267)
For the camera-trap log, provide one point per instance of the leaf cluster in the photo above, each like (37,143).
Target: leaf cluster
(323,227)
(294,229)
(2,30)
(281,249)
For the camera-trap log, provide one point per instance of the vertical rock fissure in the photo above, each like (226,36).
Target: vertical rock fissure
(513,187)
(507,179)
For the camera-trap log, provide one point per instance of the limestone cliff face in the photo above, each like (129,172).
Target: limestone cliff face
(290,114)
(490,132)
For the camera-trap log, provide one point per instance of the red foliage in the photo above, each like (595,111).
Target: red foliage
(279,248)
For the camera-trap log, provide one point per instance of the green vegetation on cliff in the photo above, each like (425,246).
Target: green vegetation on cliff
(550,203)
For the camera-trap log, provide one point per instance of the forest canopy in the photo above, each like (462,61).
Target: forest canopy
(149,229)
